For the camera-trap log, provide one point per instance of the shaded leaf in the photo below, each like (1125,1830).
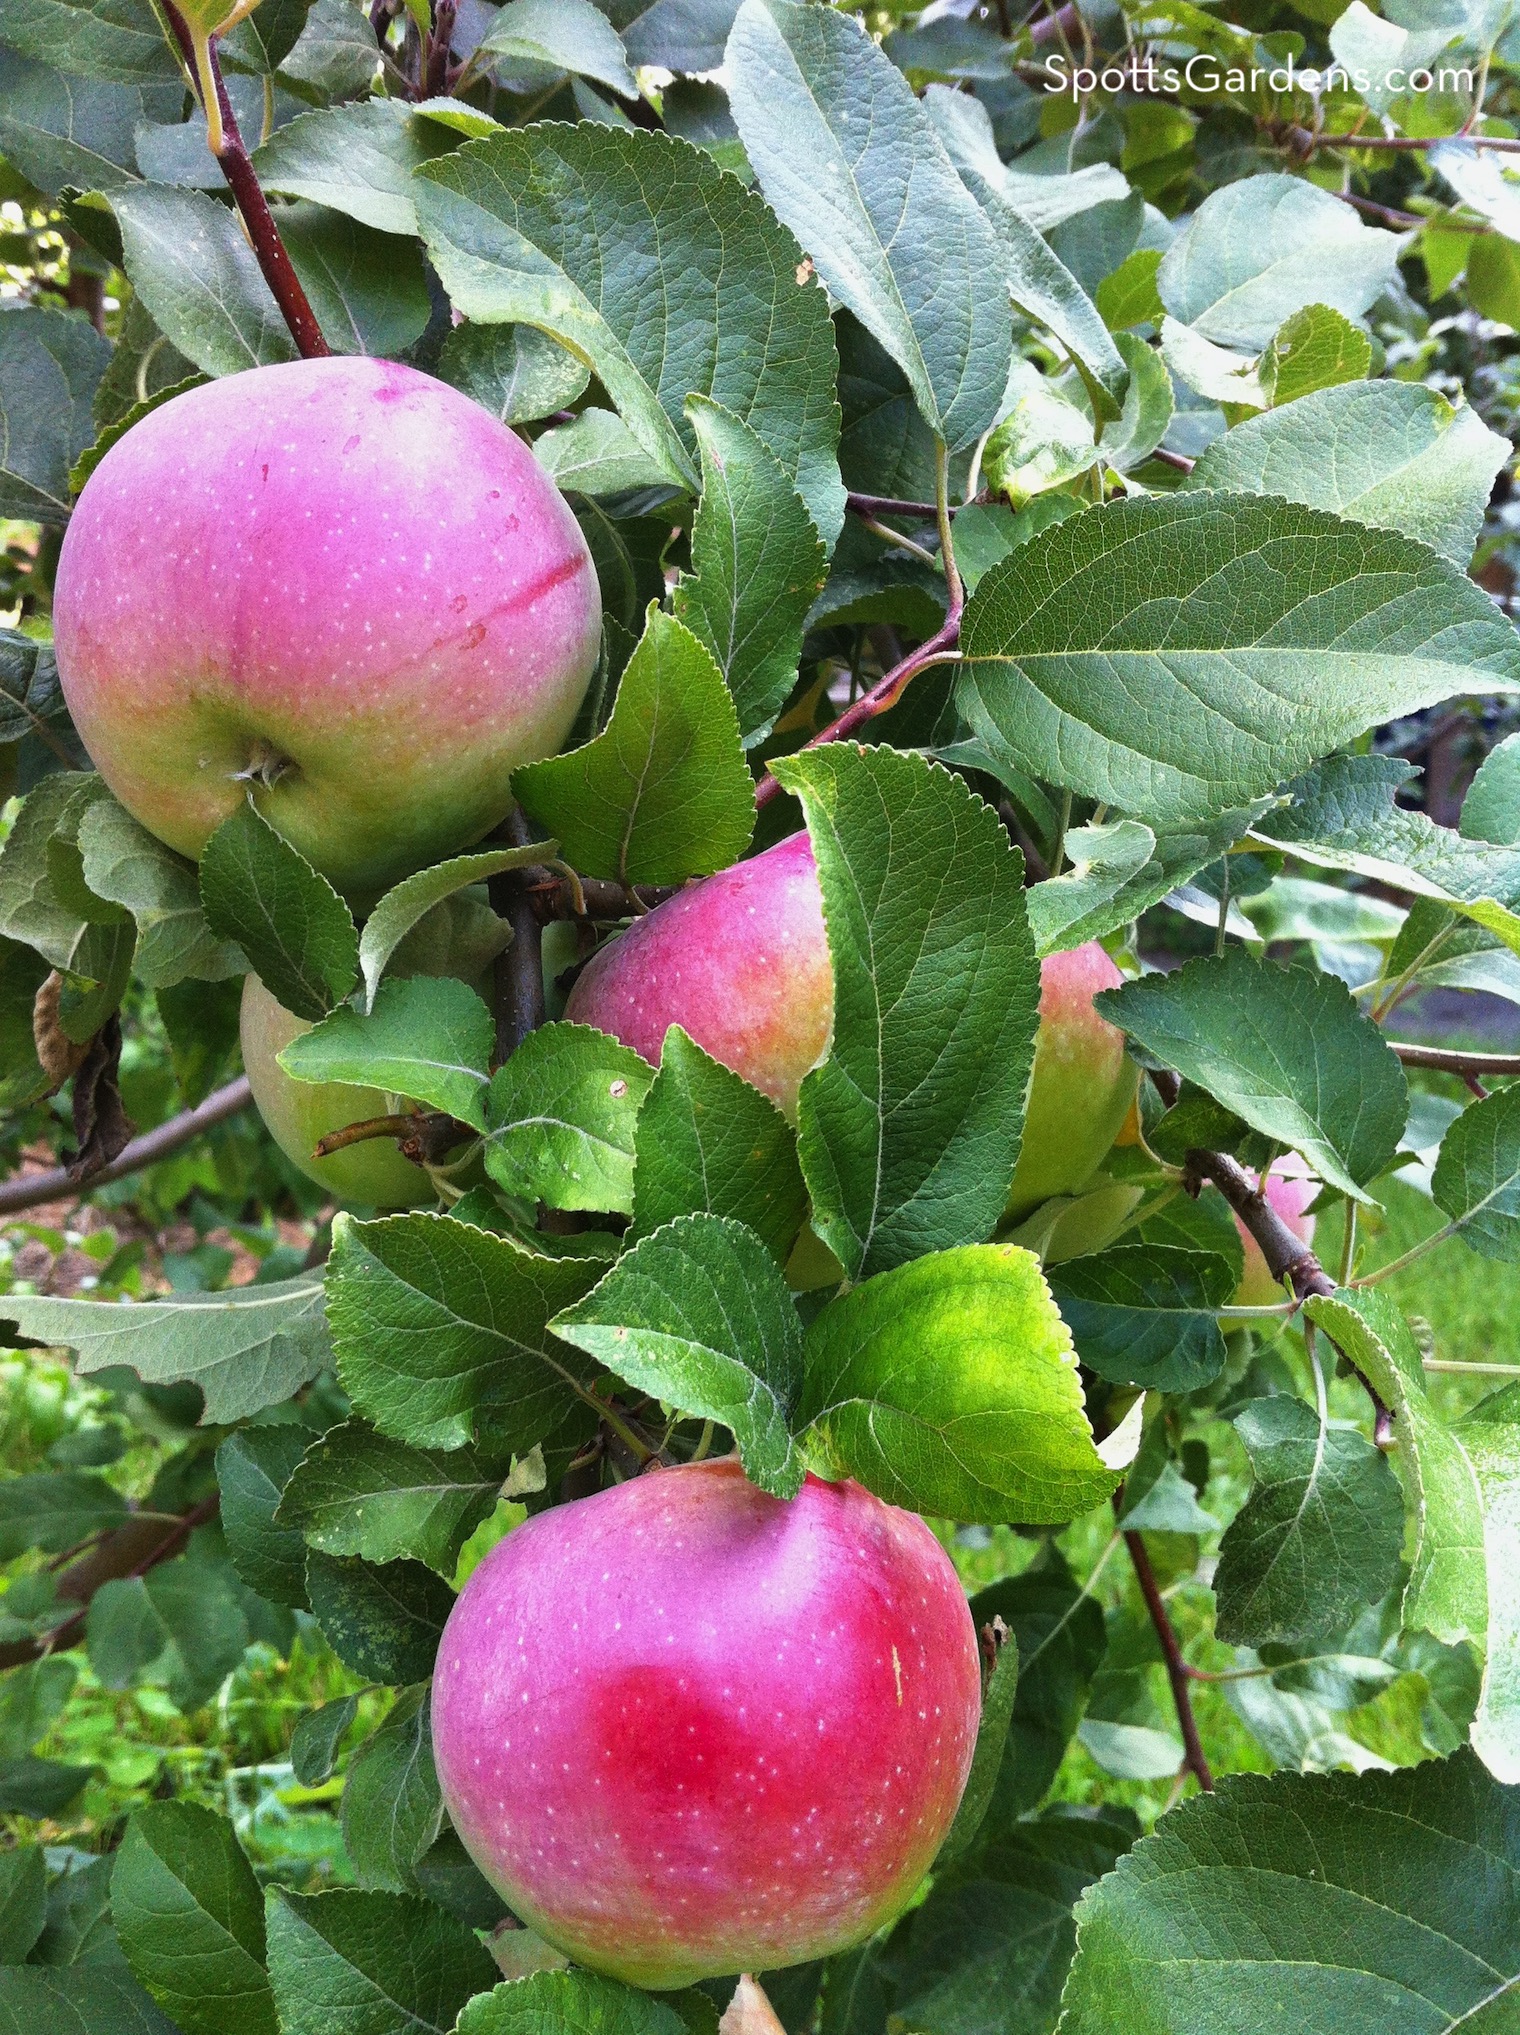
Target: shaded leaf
(370,1963)
(265,896)
(190,1917)
(427,1037)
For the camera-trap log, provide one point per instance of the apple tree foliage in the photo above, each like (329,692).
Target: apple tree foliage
(1119,375)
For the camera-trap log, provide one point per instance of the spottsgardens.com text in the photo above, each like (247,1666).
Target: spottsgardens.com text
(1206,74)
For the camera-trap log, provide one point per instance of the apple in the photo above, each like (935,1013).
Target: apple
(337,584)
(686,1729)
(741,960)
(1290,1189)
(1083,1081)
(299,1113)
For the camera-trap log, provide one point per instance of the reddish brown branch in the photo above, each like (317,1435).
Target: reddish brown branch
(885,693)
(1194,1760)
(268,248)
(1468,1065)
(1287,1256)
(29,1190)
(135,1546)
(1179,460)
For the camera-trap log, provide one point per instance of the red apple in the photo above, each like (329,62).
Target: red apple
(1290,1189)
(337,583)
(299,1113)
(687,1729)
(742,962)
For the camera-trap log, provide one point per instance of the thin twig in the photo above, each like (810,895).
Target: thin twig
(263,234)
(1194,1760)
(1179,461)
(888,689)
(1465,1064)
(520,970)
(29,1190)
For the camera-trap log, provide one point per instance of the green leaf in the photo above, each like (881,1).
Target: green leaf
(572,2003)
(31,696)
(758,564)
(427,1037)
(110,39)
(1356,1903)
(1128,295)
(23,1901)
(295,929)
(370,1963)
(415,896)
(998,1692)
(850,161)
(315,1741)
(246,1349)
(663,792)
(83,1999)
(550,226)
(909,1130)
(361,1493)
(1342,816)
(59,130)
(50,367)
(1147,413)
(384,1622)
(1284,1048)
(1446,1594)
(52,1510)
(1141,1314)
(1386,453)
(564,35)
(596,454)
(562,1112)
(186,258)
(392,1804)
(253,1468)
(698,1315)
(1314,349)
(1300,632)
(1477,1175)
(190,1917)
(435,1322)
(357,159)
(1489,1437)
(993,1429)
(1320,1534)
(1039,283)
(987,1951)
(368,291)
(1104,860)
(198,1606)
(1060,1635)
(39,1788)
(1491,809)
(336,55)
(706,1143)
(515,371)
(31,1698)
(1257,251)
(126,865)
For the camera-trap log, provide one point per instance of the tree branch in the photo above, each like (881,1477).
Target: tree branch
(1287,1255)
(131,1550)
(263,234)
(1468,1065)
(28,1190)
(520,970)
(1194,1760)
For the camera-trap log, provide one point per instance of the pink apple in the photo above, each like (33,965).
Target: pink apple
(297,1114)
(742,962)
(339,584)
(1290,1189)
(688,1729)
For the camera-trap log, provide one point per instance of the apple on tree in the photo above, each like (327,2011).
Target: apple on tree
(337,584)
(741,961)
(299,1114)
(687,1729)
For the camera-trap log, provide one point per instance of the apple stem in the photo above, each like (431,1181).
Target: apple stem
(231,152)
